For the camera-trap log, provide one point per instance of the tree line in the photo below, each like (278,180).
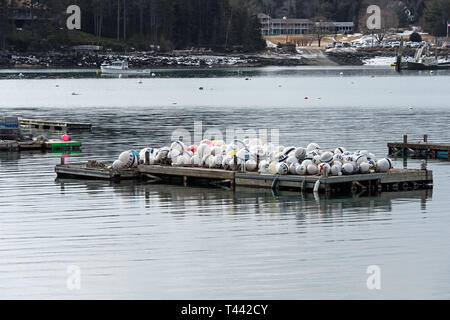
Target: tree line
(170,24)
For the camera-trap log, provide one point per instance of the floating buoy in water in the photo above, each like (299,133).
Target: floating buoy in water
(65,137)
(341,74)
(74,93)
(306,98)
(153,74)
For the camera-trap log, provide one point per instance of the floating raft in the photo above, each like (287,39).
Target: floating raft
(54,145)
(84,171)
(54,125)
(423,149)
(396,179)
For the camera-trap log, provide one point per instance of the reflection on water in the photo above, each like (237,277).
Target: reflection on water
(139,240)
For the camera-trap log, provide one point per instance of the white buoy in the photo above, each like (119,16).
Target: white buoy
(324,169)
(128,158)
(364,167)
(311,147)
(383,165)
(335,170)
(118,165)
(348,168)
(300,154)
(326,157)
(301,170)
(312,169)
(250,165)
(282,168)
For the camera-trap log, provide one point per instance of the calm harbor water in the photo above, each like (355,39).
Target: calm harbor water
(138,240)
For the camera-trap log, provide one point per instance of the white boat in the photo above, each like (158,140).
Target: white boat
(121,67)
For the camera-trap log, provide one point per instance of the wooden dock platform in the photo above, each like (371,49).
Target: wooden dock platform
(84,171)
(54,125)
(419,149)
(395,180)
(11,145)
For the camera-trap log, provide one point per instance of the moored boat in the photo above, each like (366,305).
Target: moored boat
(121,67)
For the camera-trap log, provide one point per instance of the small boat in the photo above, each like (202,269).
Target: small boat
(424,61)
(121,67)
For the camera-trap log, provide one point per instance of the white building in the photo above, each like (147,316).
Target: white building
(272,27)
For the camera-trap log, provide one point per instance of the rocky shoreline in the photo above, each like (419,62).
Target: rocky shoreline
(351,57)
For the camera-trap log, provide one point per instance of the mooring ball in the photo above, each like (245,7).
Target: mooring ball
(280,157)
(203,150)
(348,158)
(301,170)
(239,144)
(360,159)
(216,150)
(300,154)
(312,169)
(293,168)
(348,168)
(195,160)
(337,163)
(338,157)
(364,167)
(316,160)
(288,150)
(383,165)
(128,158)
(282,168)
(264,166)
(339,150)
(324,168)
(206,159)
(65,137)
(335,170)
(306,162)
(118,165)
(326,157)
(273,167)
(312,146)
(250,165)
(162,154)
(178,145)
(173,154)
(243,154)
(290,160)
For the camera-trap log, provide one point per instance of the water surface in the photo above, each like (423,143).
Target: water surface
(138,240)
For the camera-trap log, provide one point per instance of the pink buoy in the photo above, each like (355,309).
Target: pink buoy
(65,137)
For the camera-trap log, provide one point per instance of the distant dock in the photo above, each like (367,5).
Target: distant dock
(54,125)
(419,149)
(54,145)
(396,179)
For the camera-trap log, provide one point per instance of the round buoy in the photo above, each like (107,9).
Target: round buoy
(65,137)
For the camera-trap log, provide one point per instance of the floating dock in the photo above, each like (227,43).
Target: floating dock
(53,145)
(396,179)
(54,125)
(92,172)
(419,149)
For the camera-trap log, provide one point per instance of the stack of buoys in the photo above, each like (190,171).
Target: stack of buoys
(127,160)
(255,155)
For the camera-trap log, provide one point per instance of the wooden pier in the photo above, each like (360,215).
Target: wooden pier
(53,145)
(419,149)
(54,125)
(396,179)
(89,172)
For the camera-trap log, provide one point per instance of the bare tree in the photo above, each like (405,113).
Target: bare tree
(320,30)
